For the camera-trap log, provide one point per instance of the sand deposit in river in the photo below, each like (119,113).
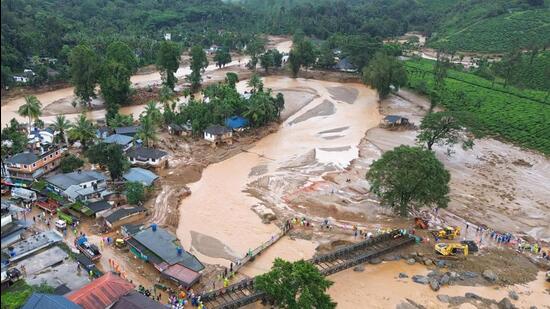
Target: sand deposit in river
(219,208)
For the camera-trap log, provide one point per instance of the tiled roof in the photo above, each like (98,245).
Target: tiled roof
(102,292)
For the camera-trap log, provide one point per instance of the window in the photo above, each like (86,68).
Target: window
(25,166)
(84,186)
(34,165)
(57,152)
(51,156)
(153,160)
(44,159)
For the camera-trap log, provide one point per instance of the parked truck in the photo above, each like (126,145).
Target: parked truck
(47,204)
(89,250)
(24,194)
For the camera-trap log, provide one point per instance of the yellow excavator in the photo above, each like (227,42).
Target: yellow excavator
(449,232)
(451,249)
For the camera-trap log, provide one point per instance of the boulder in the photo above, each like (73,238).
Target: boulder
(469,275)
(505,303)
(420,279)
(453,275)
(445,279)
(441,263)
(433,273)
(513,295)
(375,261)
(359,268)
(428,262)
(444,298)
(489,275)
(391,258)
(472,295)
(411,261)
(434,285)
(403,275)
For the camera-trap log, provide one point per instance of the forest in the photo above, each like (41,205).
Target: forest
(40,34)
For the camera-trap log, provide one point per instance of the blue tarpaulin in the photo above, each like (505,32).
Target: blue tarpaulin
(236,122)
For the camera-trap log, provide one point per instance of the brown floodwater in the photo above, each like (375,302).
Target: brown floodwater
(379,287)
(219,208)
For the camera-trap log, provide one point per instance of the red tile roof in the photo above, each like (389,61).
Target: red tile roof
(102,292)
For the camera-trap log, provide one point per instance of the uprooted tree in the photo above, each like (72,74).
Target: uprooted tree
(407,178)
(296,285)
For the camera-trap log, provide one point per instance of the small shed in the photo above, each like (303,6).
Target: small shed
(217,133)
(236,123)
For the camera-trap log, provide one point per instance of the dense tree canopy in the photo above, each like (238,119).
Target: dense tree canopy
(109,155)
(408,178)
(384,72)
(168,62)
(198,63)
(296,285)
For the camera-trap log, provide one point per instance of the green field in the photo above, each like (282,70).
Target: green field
(496,34)
(518,116)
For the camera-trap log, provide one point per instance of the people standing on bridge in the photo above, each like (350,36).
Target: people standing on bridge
(231,267)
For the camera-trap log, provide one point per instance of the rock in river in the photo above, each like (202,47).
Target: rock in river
(420,279)
(434,285)
(489,275)
(359,268)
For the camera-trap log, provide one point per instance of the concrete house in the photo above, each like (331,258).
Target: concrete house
(79,185)
(179,129)
(216,134)
(28,166)
(146,156)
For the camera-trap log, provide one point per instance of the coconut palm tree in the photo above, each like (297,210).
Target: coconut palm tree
(147,131)
(62,125)
(152,111)
(83,130)
(32,109)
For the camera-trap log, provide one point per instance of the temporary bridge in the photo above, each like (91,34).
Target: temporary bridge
(243,292)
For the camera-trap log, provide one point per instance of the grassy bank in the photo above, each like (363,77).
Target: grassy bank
(16,295)
(520,116)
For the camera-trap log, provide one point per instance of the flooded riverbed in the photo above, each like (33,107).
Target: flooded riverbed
(220,209)
(379,287)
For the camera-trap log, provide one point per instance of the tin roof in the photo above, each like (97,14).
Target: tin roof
(102,292)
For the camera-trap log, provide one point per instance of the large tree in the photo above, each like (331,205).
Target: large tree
(296,285)
(407,178)
(254,48)
(135,192)
(198,63)
(110,155)
(115,86)
(84,68)
(120,52)
(222,57)
(302,54)
(441,128)
(32,109)
(168,61)
(383,72)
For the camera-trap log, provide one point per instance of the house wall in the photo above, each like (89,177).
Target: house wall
(48,161)
(149,162)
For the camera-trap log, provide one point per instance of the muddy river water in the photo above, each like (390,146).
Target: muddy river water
(220,209)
